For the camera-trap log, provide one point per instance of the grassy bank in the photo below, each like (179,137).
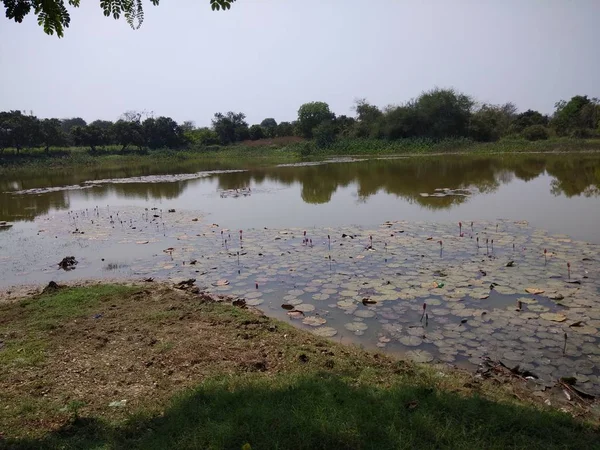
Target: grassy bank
(277,151)
(151,367)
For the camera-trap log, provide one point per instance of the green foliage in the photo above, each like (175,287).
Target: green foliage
(19,130)
(310,115)
(90,136)
(306,149)
(443,113)
(535,133)
(284,129)
(202,137)
(54,16)
(128,133)
(52,134)
(68,124)
(256,132)
(368,119)
(491,122)
(324,134)
(269,127)
(438,115)
(230,127)
(163,132)
(344,125)
(576,116)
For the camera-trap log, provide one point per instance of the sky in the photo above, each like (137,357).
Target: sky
(267,57)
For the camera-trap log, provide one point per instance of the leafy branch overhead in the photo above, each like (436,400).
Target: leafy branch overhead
(54,17)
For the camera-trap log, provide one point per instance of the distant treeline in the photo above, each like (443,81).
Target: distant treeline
(436,115)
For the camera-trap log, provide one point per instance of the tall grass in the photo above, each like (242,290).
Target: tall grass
(279,151)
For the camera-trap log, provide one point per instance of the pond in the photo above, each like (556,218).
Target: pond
(452,258)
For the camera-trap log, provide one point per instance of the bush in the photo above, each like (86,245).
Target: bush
(535,133)
(306,148)
(324,134)
(580,133)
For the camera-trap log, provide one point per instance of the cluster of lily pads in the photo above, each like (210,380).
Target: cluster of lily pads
(449,292)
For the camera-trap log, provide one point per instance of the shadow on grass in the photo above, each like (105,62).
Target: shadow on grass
(325,411)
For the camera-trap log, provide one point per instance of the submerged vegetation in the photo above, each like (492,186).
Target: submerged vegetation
(199,374)
(440,120)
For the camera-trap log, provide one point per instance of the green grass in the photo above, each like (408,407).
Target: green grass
(318,395)
(324,410)
(236,156)
(44,314)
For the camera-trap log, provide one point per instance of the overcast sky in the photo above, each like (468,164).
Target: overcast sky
(267,57)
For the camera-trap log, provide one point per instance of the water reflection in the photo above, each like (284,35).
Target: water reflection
(406,178)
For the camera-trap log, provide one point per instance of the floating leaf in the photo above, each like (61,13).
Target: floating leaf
(305,307)
(295,314)
(314,321)
(325,331)
(356,326)
(419,356)
(364,313)
(554,317)
(222,282)
(411,341)
(534,291)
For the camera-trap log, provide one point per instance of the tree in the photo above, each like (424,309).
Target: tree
(535,133)
(256,132)
(491,122)
(67,126)
(527,119)
(230,127)
(54,17)
(284,129)
(187,126)
(128,133)
(19,130)
(324,134)
(368,118)
(269,126)
(90,136)
(576,116)
(311,115)
(443,113)
(163,132)
(366,112)
(52,134)
(203,136)
(344,125)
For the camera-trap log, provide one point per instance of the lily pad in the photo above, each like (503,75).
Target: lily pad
(314,321)
(364,313)
(305,307)
(419,356)
(411,341)
(554,317)
(325,331)
(534,291)
(356,326)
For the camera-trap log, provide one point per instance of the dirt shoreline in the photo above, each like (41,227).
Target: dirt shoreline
(137,349)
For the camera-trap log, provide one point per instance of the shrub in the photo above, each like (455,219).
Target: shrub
(535,133)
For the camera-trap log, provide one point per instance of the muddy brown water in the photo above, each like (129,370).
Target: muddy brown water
(117,224)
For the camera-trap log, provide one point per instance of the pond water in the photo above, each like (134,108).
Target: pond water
(559,193)
(451,258)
